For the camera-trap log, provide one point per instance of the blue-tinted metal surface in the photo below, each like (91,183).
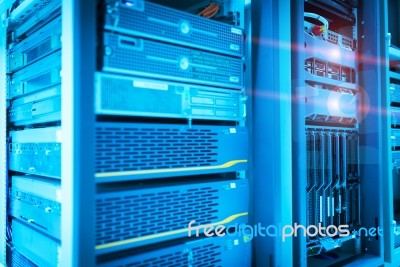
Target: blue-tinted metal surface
(136,56)
(327,50)
(272,130)
(77,170)
(37,201)
(167,150)
(3,138)
(133,96)
(132,218)
(372,131)
(16,259)
(39,107)
(40,75)
(43,42)
(149,20)
(218,251)
(36,151)
(37,247)
(324,106)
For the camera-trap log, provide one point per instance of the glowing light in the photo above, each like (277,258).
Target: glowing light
(335,53)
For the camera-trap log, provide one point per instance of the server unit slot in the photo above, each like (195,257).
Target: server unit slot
(30,15)
(395,137)
(395,116)
(40,107)
(135,56)
(133,218)
(323,73)
(394,90)
(31,243)
(40,75)
(36,151)
(37,202)
(328,106)
(134,96)
(129,151)
(327,37)
(149,20)
(43,42)
(396,159)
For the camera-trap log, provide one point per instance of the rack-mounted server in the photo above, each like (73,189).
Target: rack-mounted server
(142,216)
(142,57)
(38,45)
(37,247)
(36,151)
(332,117)
(37,76)
(40,107)
(37,202)
(153,21)
(134,96)
(127,151)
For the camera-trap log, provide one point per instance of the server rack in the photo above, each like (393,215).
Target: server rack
(44,201)
(182,166)
(336,132)
(206,90)
(390,137)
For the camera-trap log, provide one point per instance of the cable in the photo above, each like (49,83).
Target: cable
(210,11)
(317,17)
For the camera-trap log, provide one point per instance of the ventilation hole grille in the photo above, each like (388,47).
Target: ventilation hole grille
(139,214)
(148,148)
(203,33)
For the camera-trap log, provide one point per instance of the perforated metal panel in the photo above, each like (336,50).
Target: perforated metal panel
(126,151)
(121,95)
(137,217)
(16,259)
(142,57)
(207,252)
(154,21)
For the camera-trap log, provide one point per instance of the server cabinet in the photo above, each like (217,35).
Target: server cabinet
(336,137)
(390,58)
(48,122)
(125,121)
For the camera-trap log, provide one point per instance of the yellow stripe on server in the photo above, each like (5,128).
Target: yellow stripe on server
(125,173)
(164,234)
